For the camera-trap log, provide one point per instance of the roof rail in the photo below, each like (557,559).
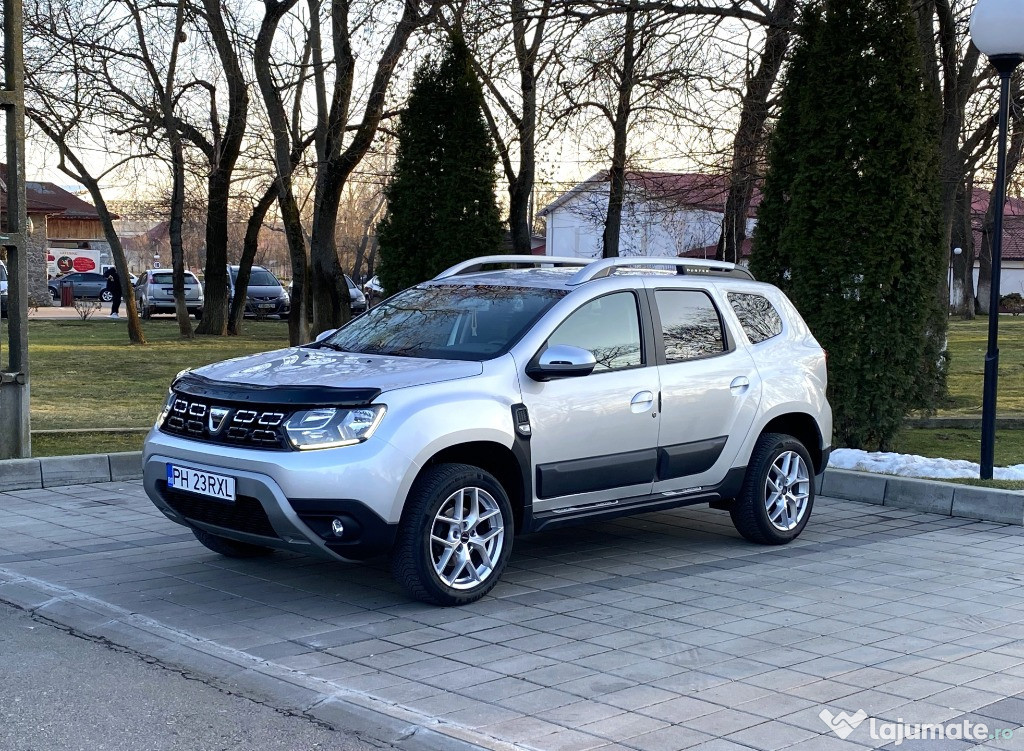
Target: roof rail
(476,264)
(689,266)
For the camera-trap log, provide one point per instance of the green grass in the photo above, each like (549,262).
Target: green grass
(85,374)
(968,341)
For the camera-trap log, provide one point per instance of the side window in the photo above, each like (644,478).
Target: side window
(758,317)
(690,325)
(609,327)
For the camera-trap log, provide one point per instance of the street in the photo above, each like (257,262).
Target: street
(63,692)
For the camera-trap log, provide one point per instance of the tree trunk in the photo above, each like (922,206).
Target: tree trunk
(520,188)
(250,244)
(749,139)
(962,265)
(225,152)
(290,216)
(620,129)
(177,184)
(364,243)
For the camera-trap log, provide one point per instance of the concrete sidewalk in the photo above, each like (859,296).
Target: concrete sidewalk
(664,631)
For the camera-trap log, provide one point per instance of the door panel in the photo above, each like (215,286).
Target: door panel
(709,393)
(594,438)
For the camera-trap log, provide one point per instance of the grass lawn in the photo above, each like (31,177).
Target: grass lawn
(968,341)
(85,374)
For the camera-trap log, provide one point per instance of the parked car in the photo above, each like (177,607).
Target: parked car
(358,299)
(372,286)
(86,284)
(264,295)
(3,290)
(154,293)
(483,404)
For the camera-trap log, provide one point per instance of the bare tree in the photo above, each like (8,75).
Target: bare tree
(66,110)
(338,154)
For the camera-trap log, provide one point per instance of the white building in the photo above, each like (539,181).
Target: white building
(663,214)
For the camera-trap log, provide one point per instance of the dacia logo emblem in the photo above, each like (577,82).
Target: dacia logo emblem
(217,417)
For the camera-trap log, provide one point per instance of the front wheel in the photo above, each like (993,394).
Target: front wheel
(778,491)
(230,548)
(455,535)
(54,295)
(106,295)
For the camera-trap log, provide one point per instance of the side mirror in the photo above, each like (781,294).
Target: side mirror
(561,361)
(323,335)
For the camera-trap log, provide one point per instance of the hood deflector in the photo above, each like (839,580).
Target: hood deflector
(245,393)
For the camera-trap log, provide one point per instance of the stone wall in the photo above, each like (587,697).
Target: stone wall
(38,292)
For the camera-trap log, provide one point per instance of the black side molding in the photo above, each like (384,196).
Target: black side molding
(596,473)
(684,459)
(244,393)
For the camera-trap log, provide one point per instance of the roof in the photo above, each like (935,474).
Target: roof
(981,197)
(709,251)
(1013,237)
(50,199)
(692,190)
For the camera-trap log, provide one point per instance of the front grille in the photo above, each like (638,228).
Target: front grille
(245,514)
(227,425)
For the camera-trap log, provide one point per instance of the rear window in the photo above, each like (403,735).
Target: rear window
(758,317)
(447,322)
(167,277)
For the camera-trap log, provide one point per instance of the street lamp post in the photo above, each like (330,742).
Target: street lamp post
(949,284)
(997,28)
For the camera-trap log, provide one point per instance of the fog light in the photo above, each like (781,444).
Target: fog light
(337,528)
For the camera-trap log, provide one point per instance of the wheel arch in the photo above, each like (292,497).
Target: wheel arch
(804,428)
(492,457)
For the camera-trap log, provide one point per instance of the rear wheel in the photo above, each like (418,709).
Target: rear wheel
(144,310)
(455,536)
(778,491)
(106,295)
(230,548)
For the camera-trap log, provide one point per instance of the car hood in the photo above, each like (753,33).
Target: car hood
(270,291)
(301,366)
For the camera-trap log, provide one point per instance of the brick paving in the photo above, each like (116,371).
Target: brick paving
(660,632)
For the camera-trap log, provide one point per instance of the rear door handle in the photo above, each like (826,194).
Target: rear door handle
(739,383)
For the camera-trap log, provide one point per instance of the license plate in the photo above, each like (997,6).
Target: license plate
(266,305)
(201,482)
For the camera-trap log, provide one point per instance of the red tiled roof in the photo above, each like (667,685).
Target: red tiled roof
(48,198)
(709,251)
(1013,237)
(690,190)
(980,198)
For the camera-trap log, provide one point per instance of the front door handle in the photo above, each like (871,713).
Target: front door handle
(740,383)
(642,402)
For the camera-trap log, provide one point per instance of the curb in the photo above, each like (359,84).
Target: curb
(239,673)
(926,496)
(53,471)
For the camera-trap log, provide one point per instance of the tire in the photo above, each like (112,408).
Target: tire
(54,295)
(786,459)
(433,570)
(144,311)
(198,314)
(106,295)
(283,316)
(230,548)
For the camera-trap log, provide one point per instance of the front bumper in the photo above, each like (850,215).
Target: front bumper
(288,499)
(262,515)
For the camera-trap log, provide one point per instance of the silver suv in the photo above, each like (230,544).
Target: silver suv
(488,403)
(154,293)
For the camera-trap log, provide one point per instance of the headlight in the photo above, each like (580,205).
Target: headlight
(329,428)
(284,297)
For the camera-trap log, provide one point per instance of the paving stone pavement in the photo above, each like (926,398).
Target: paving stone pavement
(659,632)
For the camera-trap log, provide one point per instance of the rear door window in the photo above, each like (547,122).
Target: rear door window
(690,325)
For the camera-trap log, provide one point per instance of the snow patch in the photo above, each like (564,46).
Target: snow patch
(910,465)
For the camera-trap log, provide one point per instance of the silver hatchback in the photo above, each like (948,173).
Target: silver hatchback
(154,293)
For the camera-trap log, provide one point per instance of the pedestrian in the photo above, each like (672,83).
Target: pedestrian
(114,288)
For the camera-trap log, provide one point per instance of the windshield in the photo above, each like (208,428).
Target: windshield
(453,322)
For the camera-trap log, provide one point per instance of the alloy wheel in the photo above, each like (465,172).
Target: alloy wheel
(787,489)
(466,538)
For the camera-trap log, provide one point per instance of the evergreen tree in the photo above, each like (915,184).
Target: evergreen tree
(441,203)
(849,225)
